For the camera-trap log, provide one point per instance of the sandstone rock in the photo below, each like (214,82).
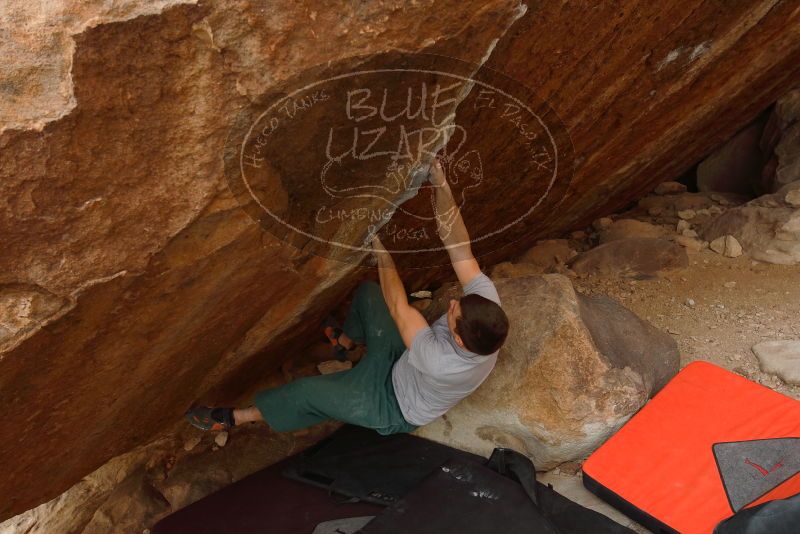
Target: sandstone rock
(726,245)
(112,196)
(73,510)
(670,188)
(132,505)
(685,202)
(721,199)
(715,210)
(573,370)
(570,468)
(787,150)
(793,198)
(781,358)
(682,226)
(191,443)
(602,223)
(578,235)
(197,475)
(23,307)
(628,228)
(549,254)
(221,439)
(734,167)
(788,109)
(687,214)
(546,257)
(119,225)
(767,227)
(631,258)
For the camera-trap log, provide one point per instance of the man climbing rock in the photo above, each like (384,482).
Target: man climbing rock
(412,372)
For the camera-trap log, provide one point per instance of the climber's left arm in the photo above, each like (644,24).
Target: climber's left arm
(454,235)
(409,321)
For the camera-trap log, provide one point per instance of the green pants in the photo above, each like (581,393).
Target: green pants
(362,396)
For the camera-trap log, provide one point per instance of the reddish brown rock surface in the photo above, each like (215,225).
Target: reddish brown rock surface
(132,282)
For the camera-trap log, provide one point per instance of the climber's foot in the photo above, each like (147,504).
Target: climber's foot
(214,419)
(339,341)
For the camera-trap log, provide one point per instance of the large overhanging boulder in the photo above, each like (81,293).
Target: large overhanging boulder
(133,283)
(573,370)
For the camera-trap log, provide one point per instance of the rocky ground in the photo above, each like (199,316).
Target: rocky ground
(717,308)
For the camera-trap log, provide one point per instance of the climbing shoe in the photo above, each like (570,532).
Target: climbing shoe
(332,334)
(214,419)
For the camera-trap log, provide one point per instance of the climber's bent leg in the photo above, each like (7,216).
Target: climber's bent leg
(368,320)
(363,396)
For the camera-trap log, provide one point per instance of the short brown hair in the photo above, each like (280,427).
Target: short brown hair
(483,325)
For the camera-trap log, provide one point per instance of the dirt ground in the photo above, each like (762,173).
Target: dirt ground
(717,308)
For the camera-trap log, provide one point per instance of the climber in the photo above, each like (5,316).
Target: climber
(412,372)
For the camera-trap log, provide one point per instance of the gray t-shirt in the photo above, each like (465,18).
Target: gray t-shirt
(435,373)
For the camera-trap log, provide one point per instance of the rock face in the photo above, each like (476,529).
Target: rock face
(788,149)
(132,282)
(768,228)
(572,371)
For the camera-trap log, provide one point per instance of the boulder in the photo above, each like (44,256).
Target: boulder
(578,235)
(768,228)
(131,267)
(508,269)
(670,188)
(781,358)
(628,228)
(690,243)
(726,245)
(549,254)
(631,258)
(602,223)
(572,371)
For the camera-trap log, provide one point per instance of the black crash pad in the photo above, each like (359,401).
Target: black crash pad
(424,487)
(264,502)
